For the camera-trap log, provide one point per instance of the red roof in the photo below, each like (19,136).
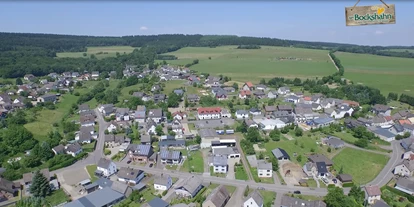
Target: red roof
(412,157)
(388,118)
(351,103)
(404,121)
(209,110)
(307,98)
(249,84)
(245,93)
(179,113)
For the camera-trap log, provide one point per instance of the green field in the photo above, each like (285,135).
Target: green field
(57,197)
(388,74)
(253,65)
(109,51)
(194,162)
(362,170)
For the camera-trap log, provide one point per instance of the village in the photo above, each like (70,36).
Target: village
(205,153)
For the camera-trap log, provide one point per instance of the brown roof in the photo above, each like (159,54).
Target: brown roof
(320,158)
(344,178)
(219,196)
(249,84)
(373,190)
(8,186)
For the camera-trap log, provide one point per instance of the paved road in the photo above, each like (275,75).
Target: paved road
(103,125)
(386,173)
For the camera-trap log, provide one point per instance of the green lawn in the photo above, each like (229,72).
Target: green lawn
(107,51)
(241,173)
(269,197)
(118,156)
(363,166)
(349,138)
(194,162)
(44,123)
(260,180)
(253,65)
(311,183)
(91,171)
(388,74)
(171,85)
(57,197)
(89,147)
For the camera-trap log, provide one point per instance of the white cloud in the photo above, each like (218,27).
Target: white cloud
(378,32)
(143,28)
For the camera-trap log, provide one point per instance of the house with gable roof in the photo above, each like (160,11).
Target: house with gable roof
(190,187)
(254,199)
(217,198)
(248,86)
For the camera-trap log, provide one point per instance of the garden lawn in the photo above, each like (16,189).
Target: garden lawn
(269,196)
(241,173)
(260,180)
(171,85)
(44,123)
(196,164)
(57,197)
(89,147)
(363,166)
(255,64)
(91,171)
(388,74)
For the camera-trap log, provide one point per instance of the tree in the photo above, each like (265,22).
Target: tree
(236,86)
(336,198)
(198,139)
(392,96)
(358,194)
(329,150)
(246,191)
(363,143)
(275,164)
(159,131)
(341,170)
(31,202)
(253,135)
(40,186)
(299,158)
(275,134)
(298,132)
(19,81)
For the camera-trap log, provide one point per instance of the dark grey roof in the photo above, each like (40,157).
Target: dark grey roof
(383,132)
(155,113)
(285,107)
(207,133)
(322,120)
(157,202)
(220,161)
(191,184)
(380,108)
(263,165)
(169,142)
(73,147)
(242,112)
(320,158)
(104,163)
(83,107)
(219,196)
(145,138)
(288,201)
(103,182)
(59,149)
(380,203)
(321,166)
(162,179)
(280,153)
(129,173)
(97,198)
(143,150)
(257,197)
(119,187)
(335,142)
(225,150)
(170,155)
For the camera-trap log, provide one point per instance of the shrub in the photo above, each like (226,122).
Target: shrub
(107,152)
(346,185)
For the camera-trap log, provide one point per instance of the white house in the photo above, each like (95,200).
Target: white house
(272,94)
(225,113)
(255,112)
(264,169)
(283,90)
(106,167)
(162,182)
(73,149)
(209,113)
(242,114)
(373,194)
(255,199)
(112,127)
(179,115)
(130,175)
(341,111)
(219,164)
(270,124)
(406,168)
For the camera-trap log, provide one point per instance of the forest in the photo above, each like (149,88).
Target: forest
(22,53)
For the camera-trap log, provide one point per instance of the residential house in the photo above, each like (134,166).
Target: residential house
(380,203)
(156,115)
(259,94)
(270,124)
(406,168)
(113,127)
(381,120)
(47,98)
(292,99)
(219,93)
(251,123)
(209,113)
(107,109)
(122,114)
(229,152)
(254,199)
(264,169)
(322,170)
(193,98)
(344,178)
(280,154)
(83,108)
(212,81)
(95,75)
(382,133)
(229,89)
(321,122)
(162,182)
(287,108)
(333,142)
(272,94)
(288,201)
(143,96)
(8,188)
(170,157)
(381,109)
(86,135)
(405,185)
(130,175)
(217,198)
(73,149)
(248,86)
(310,169)
(179,92)
(28,177)
(60,149)
(177,127)
(146,139)
(316,107)
(269,110)
(190,187)
(105,167)
(142,154)
(341,112)
(151,127)
(320,158)
(303,114)
(29,77)
(373,194)
(225,113)
(242,114)
(87,120)
(220,164)
(243,94)
(140,114)
(261,87)
(283,90)
(255,112)
(179,115)
(352,123)
(172,143)
(159,98)
(105,197)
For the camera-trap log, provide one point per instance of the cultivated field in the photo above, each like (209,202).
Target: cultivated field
(364,169)
(388,74)
(253,65)
(99,52)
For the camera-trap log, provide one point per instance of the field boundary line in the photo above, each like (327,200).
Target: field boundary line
(333,62)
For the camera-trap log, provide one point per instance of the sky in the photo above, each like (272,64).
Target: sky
(294,20)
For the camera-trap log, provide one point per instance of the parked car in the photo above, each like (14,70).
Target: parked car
(151,165)
(260,188)
(129,161)
(296,192)
(335,181)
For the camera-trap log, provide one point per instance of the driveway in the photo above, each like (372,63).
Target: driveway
(236,199)
(230,172)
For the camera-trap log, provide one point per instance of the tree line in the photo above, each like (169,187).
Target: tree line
(337,63)
(249,47)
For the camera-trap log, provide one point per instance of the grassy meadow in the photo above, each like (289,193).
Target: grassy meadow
(255,64)
(99,52)
(388,74)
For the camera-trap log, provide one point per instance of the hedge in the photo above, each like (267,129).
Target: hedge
(345,185)
(331,186)
(400,193)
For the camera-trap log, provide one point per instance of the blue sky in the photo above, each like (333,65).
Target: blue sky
(297,20)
